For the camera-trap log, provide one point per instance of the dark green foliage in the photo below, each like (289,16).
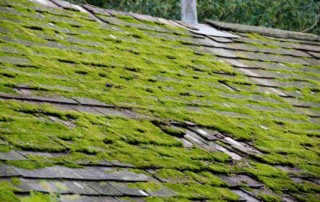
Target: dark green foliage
(296,15)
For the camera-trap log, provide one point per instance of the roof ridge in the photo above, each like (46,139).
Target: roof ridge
(263,30)
(273,32)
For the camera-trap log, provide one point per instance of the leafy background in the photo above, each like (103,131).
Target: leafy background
(295,15)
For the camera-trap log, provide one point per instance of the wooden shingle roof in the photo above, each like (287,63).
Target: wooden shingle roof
(102,105)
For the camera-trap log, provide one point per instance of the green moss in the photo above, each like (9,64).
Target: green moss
(177,132)
(127,18)
(5,148)
(39,197)
(307,197)
(294,65)
(147,186)
(15,181)
(312,169)
(206,178)
(264,45)
(172,175)
(34,143)
(7,192)
(154,73)
(256,36)
(279,184)
(220,168)
(29,164)
(196,191)
(259,169)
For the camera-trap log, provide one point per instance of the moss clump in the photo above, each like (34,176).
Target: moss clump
(256,36)
(35,143)
(172,175)
(30,165)
(147,186)
(259,169)
(39,197)
(5,148)
(279,184)
(307,197)
(220,168)
(7,192)
(207,178)
(174,131)
(197,191)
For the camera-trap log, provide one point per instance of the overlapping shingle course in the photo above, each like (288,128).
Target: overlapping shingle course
(101,105)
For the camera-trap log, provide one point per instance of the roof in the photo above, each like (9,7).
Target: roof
(101,105)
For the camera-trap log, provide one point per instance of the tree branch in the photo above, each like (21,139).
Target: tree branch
(312,26)
(316,22)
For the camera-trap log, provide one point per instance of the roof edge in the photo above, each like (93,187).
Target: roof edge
(226,26)
(278,33)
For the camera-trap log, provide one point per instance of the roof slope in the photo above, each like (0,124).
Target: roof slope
(100,105)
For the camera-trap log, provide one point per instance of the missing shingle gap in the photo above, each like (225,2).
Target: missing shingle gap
(33,27)
(98,64)
(205,140)
(225,84)
(66,61)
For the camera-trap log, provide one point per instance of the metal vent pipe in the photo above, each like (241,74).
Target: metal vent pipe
(189,11)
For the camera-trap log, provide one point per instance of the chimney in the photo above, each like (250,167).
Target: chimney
(189,11)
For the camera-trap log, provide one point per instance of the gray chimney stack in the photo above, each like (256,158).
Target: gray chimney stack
(189,11)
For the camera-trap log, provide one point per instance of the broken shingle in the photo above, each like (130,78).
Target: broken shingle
(245,196)
(241,146)
(206,134)
(217,147)
(104,188)
(126,190)
(241,180)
